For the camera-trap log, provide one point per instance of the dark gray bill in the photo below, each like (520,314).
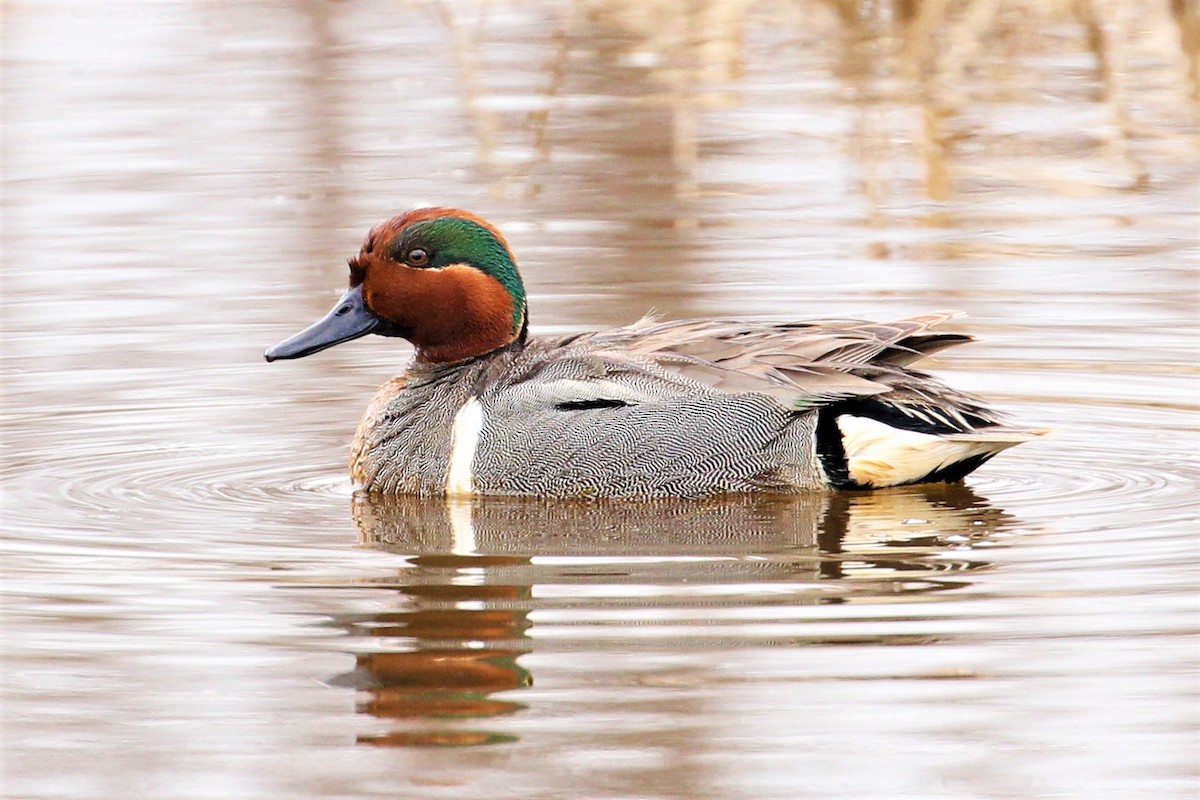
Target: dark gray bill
(349,319)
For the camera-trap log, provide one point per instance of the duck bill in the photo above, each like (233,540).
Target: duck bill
(347,320)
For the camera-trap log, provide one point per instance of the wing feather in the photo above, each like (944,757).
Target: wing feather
(809,363)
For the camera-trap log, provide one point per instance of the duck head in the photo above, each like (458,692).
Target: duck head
(442,278)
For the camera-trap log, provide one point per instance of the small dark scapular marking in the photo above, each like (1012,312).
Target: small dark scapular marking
(587,405)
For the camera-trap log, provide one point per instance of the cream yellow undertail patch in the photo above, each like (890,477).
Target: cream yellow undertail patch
(879,455)
(464,440)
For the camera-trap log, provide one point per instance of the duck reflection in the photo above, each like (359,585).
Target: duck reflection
(459,637)
(480,567)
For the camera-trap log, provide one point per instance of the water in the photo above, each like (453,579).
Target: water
(195,605)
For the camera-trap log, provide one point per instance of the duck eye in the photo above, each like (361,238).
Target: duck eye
(417,257)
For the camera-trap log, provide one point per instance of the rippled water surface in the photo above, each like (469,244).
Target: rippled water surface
(196,605)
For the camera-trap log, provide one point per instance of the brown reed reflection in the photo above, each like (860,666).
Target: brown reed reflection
(433,667)
(642,122)
(914,68)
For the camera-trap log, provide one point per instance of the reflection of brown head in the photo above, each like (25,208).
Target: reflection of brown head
(460,644)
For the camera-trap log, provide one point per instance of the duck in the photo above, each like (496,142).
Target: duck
(678,408)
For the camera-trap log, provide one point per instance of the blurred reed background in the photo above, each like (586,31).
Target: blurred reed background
(917,71)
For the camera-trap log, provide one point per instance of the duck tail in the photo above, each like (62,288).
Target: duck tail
(864,451)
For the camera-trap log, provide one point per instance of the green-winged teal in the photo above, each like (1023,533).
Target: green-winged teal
(683,408)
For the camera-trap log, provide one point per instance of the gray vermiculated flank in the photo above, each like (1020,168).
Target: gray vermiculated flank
(674,438)
(701,407)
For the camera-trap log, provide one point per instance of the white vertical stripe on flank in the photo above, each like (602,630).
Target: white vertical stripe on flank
(464,439)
